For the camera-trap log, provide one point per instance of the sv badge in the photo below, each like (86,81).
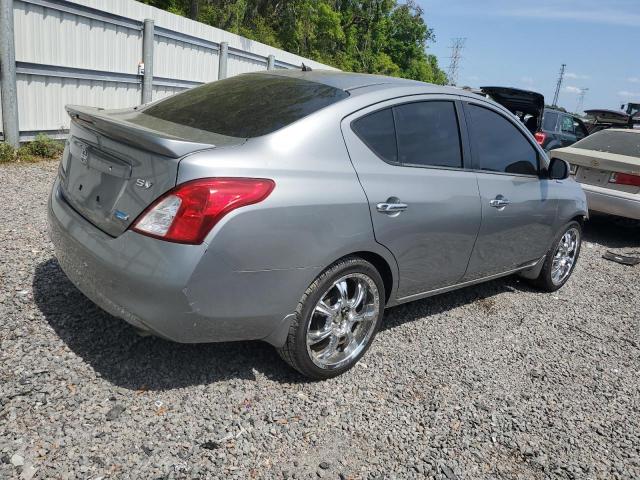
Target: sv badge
(142,183)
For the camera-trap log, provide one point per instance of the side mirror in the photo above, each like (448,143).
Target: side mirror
(558,169)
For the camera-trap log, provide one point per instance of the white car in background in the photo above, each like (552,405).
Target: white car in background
(607,165)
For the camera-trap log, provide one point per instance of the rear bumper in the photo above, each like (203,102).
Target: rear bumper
(171,290)
(604,200)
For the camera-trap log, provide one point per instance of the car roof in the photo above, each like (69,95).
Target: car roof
(351,81)
(546,109)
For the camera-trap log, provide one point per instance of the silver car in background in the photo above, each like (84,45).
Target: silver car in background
(293,207)
(607,165)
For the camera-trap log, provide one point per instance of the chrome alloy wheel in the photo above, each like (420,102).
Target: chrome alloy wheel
(343,321)
(565,256)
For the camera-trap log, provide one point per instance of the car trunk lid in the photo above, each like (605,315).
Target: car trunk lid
(516,100)
(114,165)
(595,168)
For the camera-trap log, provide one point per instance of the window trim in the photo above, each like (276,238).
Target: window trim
(462,133)
(474,149)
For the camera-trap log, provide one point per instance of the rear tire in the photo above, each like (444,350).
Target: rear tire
(561,258)
(336,320)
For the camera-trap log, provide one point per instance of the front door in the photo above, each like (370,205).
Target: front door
(518,211)
(424,205)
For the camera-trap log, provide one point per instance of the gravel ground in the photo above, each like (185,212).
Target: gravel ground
(494,381)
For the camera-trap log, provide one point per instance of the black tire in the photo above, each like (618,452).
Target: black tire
(544,281)
(294,351)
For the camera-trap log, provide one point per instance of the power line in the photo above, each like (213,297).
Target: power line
(580,104)
(559,84)
(457,44)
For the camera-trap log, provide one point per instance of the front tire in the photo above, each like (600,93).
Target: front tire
(336,320)
(561,258)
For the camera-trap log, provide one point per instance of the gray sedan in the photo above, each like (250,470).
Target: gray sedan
(293,207)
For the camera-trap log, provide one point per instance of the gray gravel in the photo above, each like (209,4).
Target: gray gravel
(495,381)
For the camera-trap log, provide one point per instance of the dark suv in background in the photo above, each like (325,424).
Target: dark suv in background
(559,129)
(551,128)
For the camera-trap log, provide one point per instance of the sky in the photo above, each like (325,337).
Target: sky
(522,44)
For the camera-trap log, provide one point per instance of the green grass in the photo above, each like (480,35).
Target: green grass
(42,147)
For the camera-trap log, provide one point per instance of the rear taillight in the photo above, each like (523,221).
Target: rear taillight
(625,179)
(187,213)
(540,137)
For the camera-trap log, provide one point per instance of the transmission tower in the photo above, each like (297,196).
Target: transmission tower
(559,84)
(457,44)
(580,104)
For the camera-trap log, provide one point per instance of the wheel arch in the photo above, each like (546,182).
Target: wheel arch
(581,219)
(383,268)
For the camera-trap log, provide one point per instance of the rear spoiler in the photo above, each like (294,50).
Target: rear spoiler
(100,121)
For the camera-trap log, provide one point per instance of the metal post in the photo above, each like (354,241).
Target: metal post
(8,89)
(223,54)
(147,59)
(271,62)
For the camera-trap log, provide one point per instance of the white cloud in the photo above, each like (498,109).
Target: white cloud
(576,76)
(571,89)
(627,94)
(527,80)
(633,79)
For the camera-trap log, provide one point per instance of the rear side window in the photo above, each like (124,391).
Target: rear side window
(246,106)
(378,132)
(549,121)
(498,145)
(428,134)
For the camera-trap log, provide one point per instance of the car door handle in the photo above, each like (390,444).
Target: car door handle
(391,207)
(499,202)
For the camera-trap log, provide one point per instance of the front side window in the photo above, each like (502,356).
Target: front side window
(428,134)
(500,146)
(567,124)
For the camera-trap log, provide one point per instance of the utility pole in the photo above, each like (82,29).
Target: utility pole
(10,127)
(580,104)
(559,85)
(457,44)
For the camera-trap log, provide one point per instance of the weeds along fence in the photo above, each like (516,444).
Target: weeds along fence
(110,54)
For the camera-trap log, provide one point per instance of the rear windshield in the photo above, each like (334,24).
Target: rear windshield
(610,141)
(247,105)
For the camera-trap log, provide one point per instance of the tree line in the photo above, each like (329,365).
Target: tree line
(371,36)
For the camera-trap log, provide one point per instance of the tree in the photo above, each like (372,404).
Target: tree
(372,36)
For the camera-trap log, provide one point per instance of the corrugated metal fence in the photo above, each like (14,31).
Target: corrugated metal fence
(88,52)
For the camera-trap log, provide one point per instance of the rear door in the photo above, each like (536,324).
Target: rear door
(424,203)
(518,211)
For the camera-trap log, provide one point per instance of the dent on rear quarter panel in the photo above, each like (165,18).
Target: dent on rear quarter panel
(273,250)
